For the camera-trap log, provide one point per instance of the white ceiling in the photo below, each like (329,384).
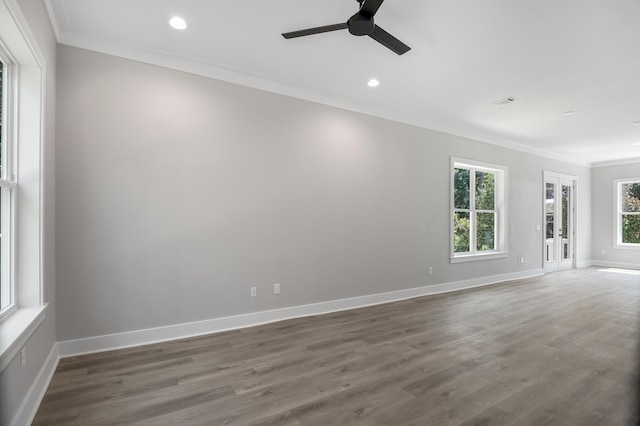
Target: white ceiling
(552,56)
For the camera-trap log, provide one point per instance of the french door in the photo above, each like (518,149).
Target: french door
(559,221)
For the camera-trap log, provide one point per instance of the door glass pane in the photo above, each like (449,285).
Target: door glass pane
(461,232)
(565,227)
(550,207)
(485,231)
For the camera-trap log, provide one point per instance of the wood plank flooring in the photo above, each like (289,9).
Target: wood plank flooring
(556,350)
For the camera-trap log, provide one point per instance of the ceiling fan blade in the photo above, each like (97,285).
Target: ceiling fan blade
(389,41)
(370,7)
(316,30)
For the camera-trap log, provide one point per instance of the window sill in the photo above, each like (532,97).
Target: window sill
(626,246)
(476,257)
(16,329)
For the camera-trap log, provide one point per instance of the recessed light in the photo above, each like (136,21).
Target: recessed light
(569,112)
(636,123)
(178,23)
(373,83)
(636,144)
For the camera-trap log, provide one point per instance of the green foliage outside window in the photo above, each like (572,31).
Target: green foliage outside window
(485,190)
(483,210)
(461,193)
(631,204)
(461,232)
(485,200)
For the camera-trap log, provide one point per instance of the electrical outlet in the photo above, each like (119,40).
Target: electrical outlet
(538,228)
(604,251)
(23,358)
(254,291)
(521,259)
(276,288)
(430,270)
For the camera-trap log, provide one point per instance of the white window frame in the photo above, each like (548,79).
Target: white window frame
(501,173)
(617,214)
(26,131)
(8,186)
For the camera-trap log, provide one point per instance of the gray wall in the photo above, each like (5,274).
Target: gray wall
(176,193)
(603,210)
(14,383)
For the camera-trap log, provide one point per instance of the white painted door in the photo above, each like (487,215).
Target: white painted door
(559,221)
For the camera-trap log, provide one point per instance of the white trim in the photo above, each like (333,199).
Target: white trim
(625,265)
(617,224)
(30,404)
(52,19)
(180,331)
(585,263)
(478,256)
(548,175)
(616,162)
(501,196)
(22,57)
(631,247)
(246,78)
(30,66)
(551,174)
(15,331)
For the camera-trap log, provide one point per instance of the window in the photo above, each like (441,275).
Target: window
(627,210)
(22,120)
(477,210)
(7,189)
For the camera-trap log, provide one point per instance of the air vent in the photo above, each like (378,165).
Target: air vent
(505,101)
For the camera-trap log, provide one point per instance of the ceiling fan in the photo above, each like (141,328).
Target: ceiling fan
(360,24)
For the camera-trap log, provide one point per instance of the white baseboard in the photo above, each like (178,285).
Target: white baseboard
(584,263)
(180,331)
(625,265)
(27,411)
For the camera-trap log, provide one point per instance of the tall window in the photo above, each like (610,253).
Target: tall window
(628,213)
(22,122)
(478,210)
(7,189)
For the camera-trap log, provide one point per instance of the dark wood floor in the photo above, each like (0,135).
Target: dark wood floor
(556,350)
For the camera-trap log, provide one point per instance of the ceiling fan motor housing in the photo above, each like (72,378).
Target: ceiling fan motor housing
(360,24)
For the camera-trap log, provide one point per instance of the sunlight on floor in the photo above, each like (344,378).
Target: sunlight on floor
(620,271)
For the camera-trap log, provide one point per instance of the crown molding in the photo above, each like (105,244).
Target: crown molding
(616,162)
(52,18)
(204,68)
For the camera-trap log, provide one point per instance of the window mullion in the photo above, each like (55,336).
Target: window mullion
(472,207)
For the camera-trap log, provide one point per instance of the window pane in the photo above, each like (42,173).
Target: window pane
(631,229)
(485,232)
(461,182)
(4,300)
(1,112)
(485,190)
(631,197)
(4,289)
(461,232)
